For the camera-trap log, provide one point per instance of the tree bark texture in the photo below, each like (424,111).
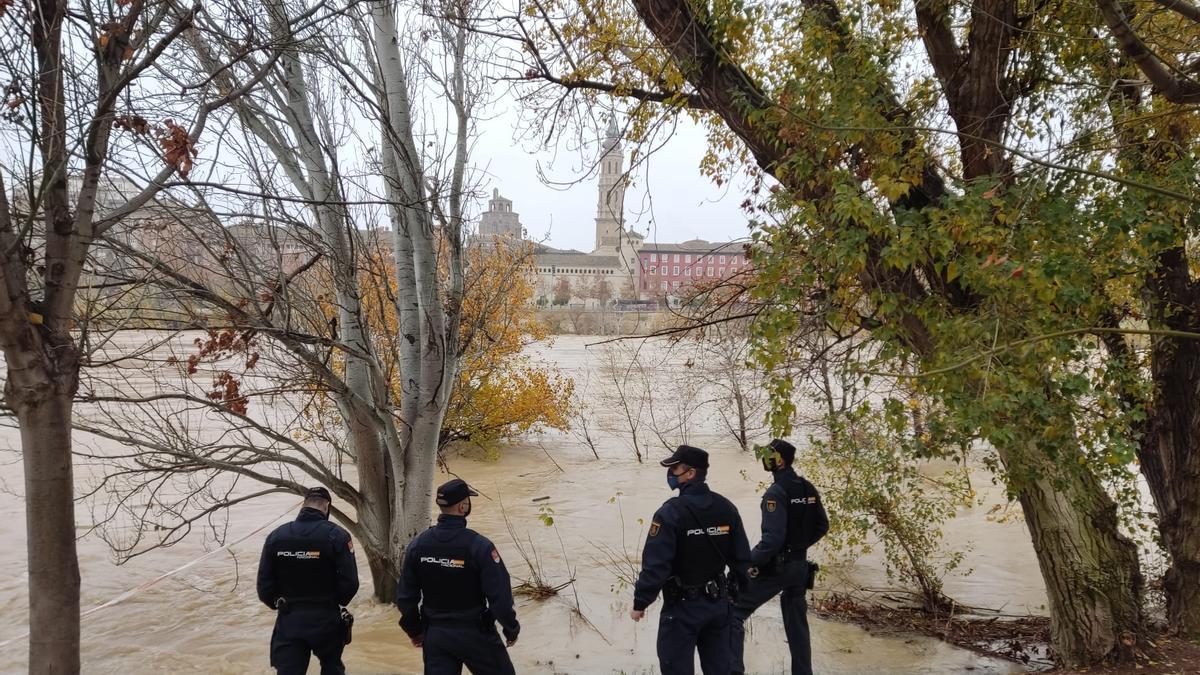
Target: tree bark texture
(1093,580)
(45,421)
(1170,448)
(385,576)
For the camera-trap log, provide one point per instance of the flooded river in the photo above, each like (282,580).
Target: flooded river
(191,608)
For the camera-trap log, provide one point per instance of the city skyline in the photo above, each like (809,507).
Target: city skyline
(676,203)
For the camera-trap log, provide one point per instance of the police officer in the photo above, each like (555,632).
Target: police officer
(453,589)
(306,572)
(692,539)
(793,519)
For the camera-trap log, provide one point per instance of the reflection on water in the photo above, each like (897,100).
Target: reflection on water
(207,619)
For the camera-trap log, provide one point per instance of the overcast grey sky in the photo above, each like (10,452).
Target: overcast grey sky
(670,201)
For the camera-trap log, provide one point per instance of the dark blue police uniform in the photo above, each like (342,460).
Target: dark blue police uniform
(793,519)
(692,539)
(453,589)
(306,571)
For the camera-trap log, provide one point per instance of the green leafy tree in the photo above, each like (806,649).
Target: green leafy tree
(1006,215)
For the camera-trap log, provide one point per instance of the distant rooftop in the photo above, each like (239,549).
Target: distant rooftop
(693,246)
(577,259)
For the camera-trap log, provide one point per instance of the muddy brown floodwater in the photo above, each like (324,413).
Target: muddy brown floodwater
(193,608)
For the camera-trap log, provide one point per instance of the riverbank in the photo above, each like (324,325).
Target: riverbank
(1023,640)
(1161,655)
(594,323)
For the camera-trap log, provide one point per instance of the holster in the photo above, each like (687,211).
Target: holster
(672,591)
(716,588)
(348,622)
(487,620)
(813,568)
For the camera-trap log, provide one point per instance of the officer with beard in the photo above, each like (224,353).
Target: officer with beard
(692,540)
(792,520)
(306,572)
(453,589)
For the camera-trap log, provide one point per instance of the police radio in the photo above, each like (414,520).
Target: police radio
(770,457)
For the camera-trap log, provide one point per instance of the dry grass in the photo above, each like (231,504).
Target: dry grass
(537,585)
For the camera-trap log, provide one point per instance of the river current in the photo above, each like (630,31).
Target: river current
(191,608)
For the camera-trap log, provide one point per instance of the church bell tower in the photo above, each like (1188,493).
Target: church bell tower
(610,205)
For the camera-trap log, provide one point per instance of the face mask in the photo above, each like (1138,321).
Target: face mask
(672,480)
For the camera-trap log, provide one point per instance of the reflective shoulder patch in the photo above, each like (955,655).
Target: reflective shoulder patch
(298,555)
(655,526)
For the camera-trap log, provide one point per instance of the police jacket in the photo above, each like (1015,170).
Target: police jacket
(308,560)
(453,573)
(792,517)
(692,539)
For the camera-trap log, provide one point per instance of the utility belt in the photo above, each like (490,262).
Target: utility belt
(472,616)
(286,604)
(713,589)
(787,555)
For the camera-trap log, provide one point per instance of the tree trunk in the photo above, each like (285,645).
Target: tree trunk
(1093,581)
(1091,572)
(385,576)
(419,463)
(428,344)
(45,421)
(1170,461)
(740,399)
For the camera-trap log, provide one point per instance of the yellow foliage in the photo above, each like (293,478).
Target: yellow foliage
(498,392)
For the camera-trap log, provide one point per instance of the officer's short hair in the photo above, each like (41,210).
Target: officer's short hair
(786,450)
(701,473)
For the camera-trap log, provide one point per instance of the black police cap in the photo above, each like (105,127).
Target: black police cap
(454,491)
(686,454)
(319,493)
(786,450)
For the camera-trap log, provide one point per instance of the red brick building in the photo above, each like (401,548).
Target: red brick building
(668,268)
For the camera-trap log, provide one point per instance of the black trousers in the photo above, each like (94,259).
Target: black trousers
(450,646)
(688,626)
(304,631)
(789,584)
